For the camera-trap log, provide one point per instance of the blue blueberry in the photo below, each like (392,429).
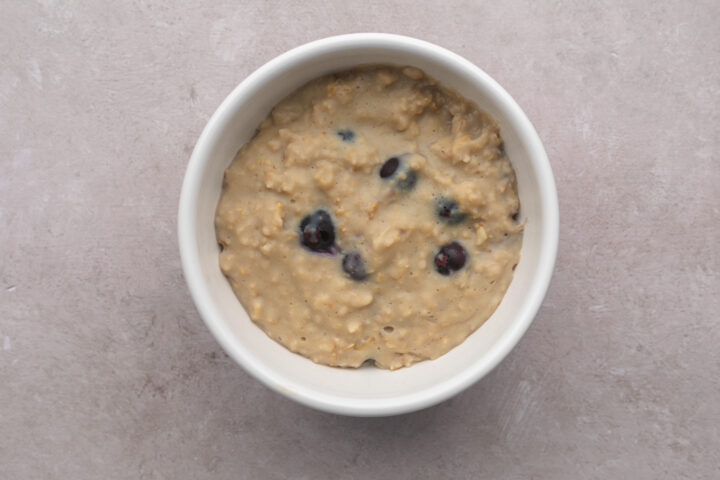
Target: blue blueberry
(449,211)
(317,232)
(354,265)
(450,258)
(389,168)
(347,135)
(406,180)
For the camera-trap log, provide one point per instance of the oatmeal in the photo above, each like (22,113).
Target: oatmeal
(373,217)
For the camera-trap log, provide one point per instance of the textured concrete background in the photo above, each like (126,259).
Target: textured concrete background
(106,370)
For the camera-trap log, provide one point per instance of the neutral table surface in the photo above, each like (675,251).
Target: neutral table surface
(107,371)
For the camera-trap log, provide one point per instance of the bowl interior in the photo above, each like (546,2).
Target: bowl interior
(365,391)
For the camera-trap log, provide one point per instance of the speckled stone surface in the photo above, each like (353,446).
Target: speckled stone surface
(107,371)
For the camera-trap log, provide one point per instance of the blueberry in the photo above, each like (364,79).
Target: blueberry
(406,180)
(317,232)
(347,135)
(450,258)
(389,168)
(405,177)
(354,265)
(449,211)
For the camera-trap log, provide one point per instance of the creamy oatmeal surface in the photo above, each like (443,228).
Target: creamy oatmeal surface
(372,217)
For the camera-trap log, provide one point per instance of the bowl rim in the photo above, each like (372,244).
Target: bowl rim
(190,259)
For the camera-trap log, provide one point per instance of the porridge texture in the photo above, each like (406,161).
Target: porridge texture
(372,218)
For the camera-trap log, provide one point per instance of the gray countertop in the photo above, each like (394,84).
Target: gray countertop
(107,371)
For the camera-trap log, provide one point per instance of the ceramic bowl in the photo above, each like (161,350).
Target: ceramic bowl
(364,391)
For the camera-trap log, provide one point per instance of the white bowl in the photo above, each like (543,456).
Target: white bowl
(364,391)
